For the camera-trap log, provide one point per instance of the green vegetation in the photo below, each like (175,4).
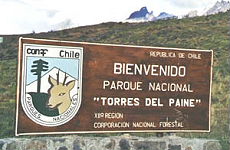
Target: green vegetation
(207,32)
(8,70)
(7,115)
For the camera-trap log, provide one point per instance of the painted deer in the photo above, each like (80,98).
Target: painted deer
(60,93)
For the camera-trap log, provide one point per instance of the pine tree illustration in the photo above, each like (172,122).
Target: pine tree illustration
(38,67)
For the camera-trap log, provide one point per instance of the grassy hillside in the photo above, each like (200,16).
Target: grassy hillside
(208,32)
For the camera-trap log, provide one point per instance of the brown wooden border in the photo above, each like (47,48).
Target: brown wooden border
(71,43)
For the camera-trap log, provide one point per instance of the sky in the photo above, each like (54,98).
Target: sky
(27,16)
(53,63)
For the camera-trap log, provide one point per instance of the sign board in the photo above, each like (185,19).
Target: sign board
(71,87)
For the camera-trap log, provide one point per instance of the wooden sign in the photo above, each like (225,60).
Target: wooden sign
(71,87)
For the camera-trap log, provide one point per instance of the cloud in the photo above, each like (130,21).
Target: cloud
(65,24)
(18,1)
(184,3)
(21,18)
(190,3)
(51,13)
(24,16)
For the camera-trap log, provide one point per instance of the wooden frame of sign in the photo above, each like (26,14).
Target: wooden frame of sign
(77,87)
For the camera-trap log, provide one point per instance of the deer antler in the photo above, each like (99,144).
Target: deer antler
(65,79)
(57,77)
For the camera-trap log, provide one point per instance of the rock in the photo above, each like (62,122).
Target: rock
(76,145)
(11,146)
(63,148)
(74,142)
(174,147)
(188,148)
(36,144)
(212,145)
(109,144)
(149,145)
(61,140)
(1,144)
(124,144)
